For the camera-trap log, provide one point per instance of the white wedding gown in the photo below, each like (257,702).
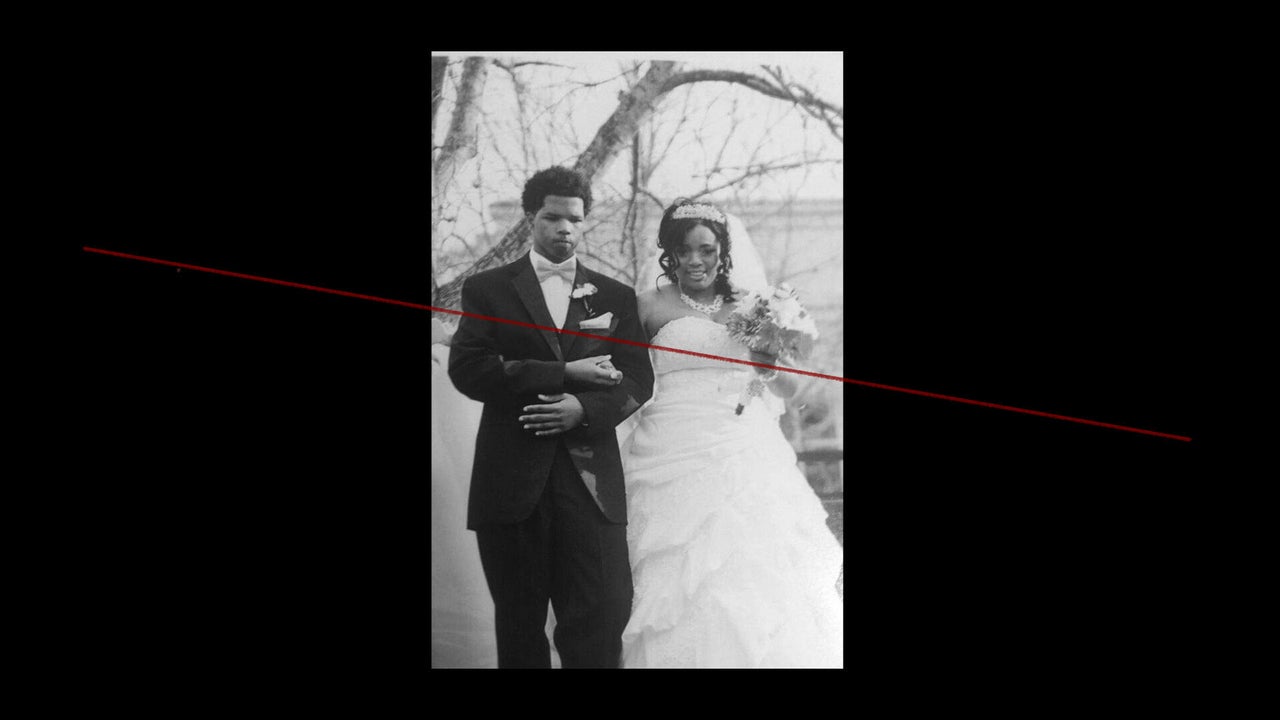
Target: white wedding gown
(732,560)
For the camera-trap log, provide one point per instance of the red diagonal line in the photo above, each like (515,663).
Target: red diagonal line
(796,371)
(508,321)
(244,276)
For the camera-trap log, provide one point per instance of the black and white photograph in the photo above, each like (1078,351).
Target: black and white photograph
(646,502)
(396,360)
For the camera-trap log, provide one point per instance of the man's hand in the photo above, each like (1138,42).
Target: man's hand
(596,371)
(562,413)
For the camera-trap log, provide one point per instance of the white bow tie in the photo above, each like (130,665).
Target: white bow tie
(545,269)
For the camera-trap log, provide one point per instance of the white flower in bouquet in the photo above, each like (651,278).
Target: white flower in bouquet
(775,323)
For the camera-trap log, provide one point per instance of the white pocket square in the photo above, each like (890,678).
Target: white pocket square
(597,323)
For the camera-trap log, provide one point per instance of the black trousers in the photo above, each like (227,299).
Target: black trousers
(567,553)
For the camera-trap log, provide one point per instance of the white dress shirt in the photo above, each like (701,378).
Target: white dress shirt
(556,280)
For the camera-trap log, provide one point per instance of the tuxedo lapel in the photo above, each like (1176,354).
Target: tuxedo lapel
(530,293)
(577,311)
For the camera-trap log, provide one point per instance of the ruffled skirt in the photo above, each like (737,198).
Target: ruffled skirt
(732,560)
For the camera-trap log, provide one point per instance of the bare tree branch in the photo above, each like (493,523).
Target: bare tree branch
(809,102)
(511,66)
(635,106)
(733,128)
(497,149)
(520,90)
(466,245)
(680,123)
(780,89)
(811,268)
(759,170)
(764,142)
(755,82)
(579,86)
(656,200)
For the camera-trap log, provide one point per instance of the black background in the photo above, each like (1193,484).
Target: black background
(1014,233)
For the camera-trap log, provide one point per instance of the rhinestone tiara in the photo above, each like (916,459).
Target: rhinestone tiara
(698,211)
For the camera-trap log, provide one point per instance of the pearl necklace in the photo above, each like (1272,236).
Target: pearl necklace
(708,309)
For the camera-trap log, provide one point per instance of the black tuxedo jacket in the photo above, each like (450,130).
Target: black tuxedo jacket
(506,366)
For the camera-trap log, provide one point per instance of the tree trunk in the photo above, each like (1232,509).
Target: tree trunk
(633,107)
(632,227)
(459,144)
(438,65)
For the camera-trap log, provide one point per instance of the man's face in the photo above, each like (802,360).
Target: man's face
(557,227)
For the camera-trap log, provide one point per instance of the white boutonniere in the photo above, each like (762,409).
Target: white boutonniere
(584,290)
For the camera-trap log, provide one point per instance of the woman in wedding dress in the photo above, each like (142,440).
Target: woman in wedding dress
(732,560)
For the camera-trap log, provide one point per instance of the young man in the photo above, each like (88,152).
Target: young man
(547,500)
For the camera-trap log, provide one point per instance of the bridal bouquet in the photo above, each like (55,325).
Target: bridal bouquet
(772,322)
